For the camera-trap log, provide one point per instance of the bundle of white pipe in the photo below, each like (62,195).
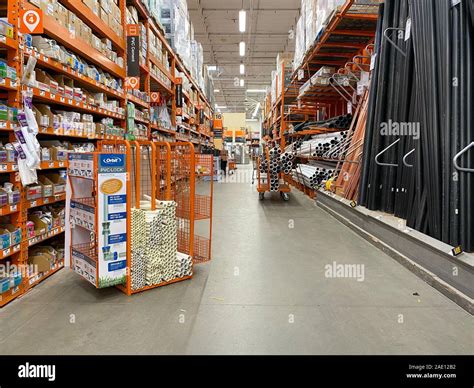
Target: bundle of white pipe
(155,244)
(312,175)
(185,265)
(328,145)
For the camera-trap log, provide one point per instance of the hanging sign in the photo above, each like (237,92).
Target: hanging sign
(133,50)
(31,21)
(132,82)
(201,115)
(179,96)
(155,98)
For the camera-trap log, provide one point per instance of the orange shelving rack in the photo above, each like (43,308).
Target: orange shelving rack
(17,50)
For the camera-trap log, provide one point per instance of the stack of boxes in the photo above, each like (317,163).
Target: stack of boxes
(315,15)
(51,49)
(107,10)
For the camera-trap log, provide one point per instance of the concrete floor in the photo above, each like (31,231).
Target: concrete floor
(265,292)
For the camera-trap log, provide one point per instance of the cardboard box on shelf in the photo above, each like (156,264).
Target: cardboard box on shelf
(5,241)
(59,184)
(93,5)
(33,192)
(40,261)
(46,186)
(41,227)
(49,7)
(15,234)
(67,84)
(86,33)
(62,15)
(44,116)
(104,15)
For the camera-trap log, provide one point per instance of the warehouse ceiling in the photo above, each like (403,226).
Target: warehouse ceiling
(216,27)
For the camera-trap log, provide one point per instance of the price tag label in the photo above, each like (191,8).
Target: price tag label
(13,208)
(53,96)
(32,203)
(46,200)
(51,165)
(62,99)
(42,93)
(6,252)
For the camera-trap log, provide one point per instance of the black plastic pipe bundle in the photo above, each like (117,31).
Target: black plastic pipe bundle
(338,122)
(425,85)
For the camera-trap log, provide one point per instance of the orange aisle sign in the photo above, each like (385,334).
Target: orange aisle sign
(155,97)
(132,82)
(31,21)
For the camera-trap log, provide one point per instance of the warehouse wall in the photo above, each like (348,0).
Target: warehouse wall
(234,121)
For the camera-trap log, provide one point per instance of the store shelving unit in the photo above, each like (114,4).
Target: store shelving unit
(17,54)
(10,91)
(342,43)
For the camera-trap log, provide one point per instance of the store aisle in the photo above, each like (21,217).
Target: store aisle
(264,293)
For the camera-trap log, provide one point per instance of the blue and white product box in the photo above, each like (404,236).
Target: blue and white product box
(112,219)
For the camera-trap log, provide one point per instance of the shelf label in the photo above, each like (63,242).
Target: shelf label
(6,252)
(32,203)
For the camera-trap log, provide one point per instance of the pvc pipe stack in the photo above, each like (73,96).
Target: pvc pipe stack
(138,267)
(329,146)
(155,258)
(185,265)
(312,176)
(339,122)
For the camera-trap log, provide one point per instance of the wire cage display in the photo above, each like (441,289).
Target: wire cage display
(203,207)
(161,186)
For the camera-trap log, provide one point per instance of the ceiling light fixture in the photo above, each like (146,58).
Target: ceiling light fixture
(256,110)
(242,82)
(242,20)
(242,68)
(242,48)
(212,68)
(256,91)
(216,90)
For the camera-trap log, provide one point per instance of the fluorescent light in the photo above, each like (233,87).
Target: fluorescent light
(220,107)
(256,91)
(253,120)
(216,90)
(256,110)
(242,48)
(242,20)
(212,68)
(242,82)
(242,68)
